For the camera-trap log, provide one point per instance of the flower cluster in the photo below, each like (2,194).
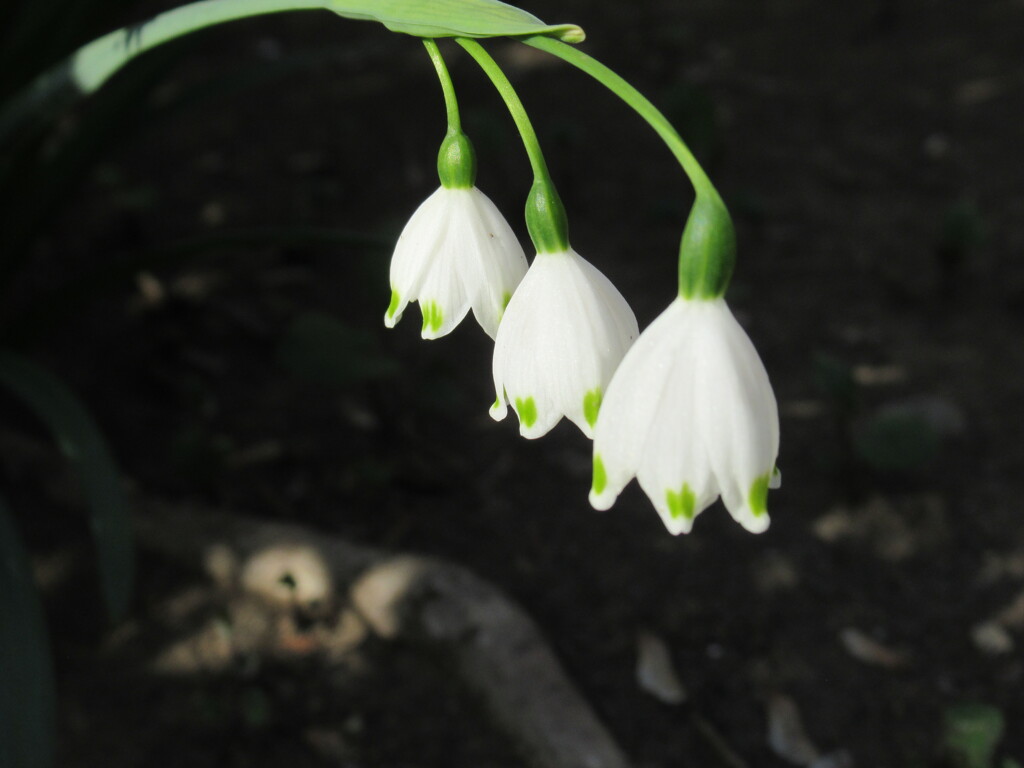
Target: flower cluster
(685,407)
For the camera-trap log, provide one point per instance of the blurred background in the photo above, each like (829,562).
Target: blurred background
(201,252)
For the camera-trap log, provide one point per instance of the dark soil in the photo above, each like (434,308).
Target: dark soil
(859,146)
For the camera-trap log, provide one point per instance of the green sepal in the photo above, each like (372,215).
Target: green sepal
(456,161)
(707,253)
(545,219)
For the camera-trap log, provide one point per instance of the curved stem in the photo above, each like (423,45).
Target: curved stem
(701,183)
(515,107)
(545,215)
(451,104)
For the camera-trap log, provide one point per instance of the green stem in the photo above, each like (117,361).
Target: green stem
(613,82)
(545,215)
(451,104)
(456,160)
(515,107)
(707,252)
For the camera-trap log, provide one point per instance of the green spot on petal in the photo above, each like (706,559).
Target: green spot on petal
(395,301)
(591,405)
(682,504)
(432,316)
(527,410)
(505,299)
(600,475)
(757,500)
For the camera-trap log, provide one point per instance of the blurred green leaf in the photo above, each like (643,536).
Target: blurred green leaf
(27,699)
(199,455)
(45,174)
(963,227)
(972,732)
(81,442)
(894,441)
(322,349)
(834,379)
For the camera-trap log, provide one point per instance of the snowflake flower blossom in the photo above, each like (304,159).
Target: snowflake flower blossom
(691,414)
(563,334)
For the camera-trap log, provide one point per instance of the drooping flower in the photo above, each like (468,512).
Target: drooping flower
(564,332)
(691,414)
(456,253)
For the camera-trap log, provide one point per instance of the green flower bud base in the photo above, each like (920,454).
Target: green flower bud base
(456,161)
(707,253)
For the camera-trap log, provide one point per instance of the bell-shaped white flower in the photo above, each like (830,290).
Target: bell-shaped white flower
(690,413)
(456,253)
(564,332)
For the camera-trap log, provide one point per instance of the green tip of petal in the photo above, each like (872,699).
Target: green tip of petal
(757,500)
(591,405)
(527,410)
(432,316)
(600,476)
(681,505)
(396,299)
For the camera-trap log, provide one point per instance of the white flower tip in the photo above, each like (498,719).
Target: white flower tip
(433,320)
(499,410)
(601,496)
(394,312)
(753,522)
(531,425)
(585,428)
(678,509)
(752,512)
(775,481)
(677,525)
(532,431)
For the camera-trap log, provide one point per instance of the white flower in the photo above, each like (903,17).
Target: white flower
(457,252)
(563,334)
(691,414)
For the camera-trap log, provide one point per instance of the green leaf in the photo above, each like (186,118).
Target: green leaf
(80,440)
(972,732)
(834,379)
(322,349)
(93,64)
(457,18)
(897,441)
(27,699)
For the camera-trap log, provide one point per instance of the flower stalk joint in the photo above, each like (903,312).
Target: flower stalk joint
(545,218)
(707,252)
(456,161)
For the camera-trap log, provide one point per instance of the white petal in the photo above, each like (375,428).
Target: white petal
(631,405)
(455,253)
(648,423)
(500,265)
(416,248)
(564,332)
(739,417)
